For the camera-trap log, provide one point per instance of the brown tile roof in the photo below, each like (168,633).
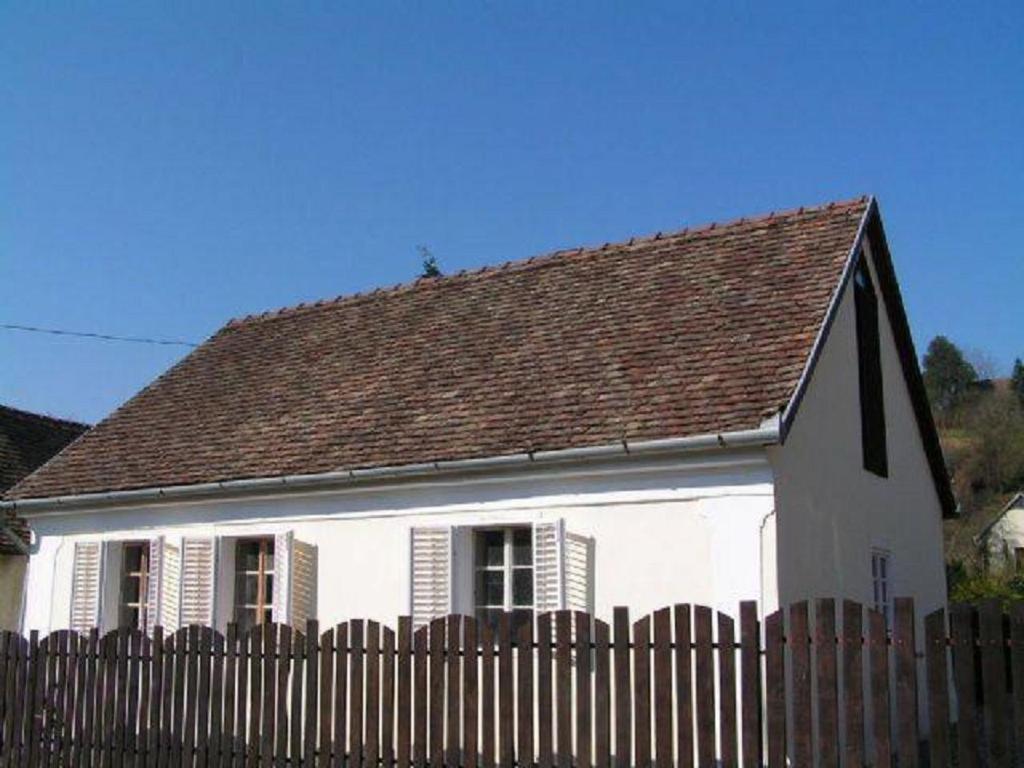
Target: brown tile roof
(27,441)
(694,332)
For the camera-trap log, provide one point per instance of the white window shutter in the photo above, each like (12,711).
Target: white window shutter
(86,584)
(548,566)
(281,596)
(198,580)
(303,584)
(431,573)
(578,568)
(154,586)
(170,586)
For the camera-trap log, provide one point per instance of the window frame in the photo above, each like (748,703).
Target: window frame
(142,575)
(508,568)
(882,582)
(264,604)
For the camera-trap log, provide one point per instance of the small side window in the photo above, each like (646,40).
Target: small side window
(881,582)
(254,582)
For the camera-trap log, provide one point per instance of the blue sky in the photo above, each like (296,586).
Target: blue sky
(164,168)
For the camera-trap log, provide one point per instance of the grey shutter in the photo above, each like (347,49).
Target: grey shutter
(431,573)
(198,580)
(578,570)
(164,588)
(303,584)
(86,585)
(548,566)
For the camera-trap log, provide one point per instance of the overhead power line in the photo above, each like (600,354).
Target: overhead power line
(100,336)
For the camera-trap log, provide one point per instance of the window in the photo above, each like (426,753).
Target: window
(881,580)
(134,585)
(254,582)
(869,366)
(503,575)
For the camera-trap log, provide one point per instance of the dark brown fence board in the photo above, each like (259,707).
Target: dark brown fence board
(387,697)
(584,684)
(800,652)
(623,686)
(545,691)
(203,710)
(165,751)
(238,741)
(563,688)
(470,693)
(403,742)
(256,675)
(1017,667)
(217,651)
(524,693)
(775,690)
(436,719)
(335,711)
(281,724)
(642,690)
(453,691)
(727,691)
(750,681)
(297,712)
(938,687)
(904,645)
(993,680)
(684,686)
(853,683)
(964,679)
(705,686)
(419,741)
(506,694)
(311,709)
(357,690)
(878,646)
(111,742)
(602,695)
(487,694)
(371,741)
(325,660)
(826,667)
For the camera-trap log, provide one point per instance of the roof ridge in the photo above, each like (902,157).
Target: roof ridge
(43,417)
(545,258)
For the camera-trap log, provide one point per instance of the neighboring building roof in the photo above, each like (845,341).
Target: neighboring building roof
(1015,502)
(27,441)
(695,332)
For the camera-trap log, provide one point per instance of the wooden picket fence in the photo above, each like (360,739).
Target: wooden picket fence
(679,687)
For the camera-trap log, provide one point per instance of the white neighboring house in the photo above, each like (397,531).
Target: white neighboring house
(727,413)
(1002,542)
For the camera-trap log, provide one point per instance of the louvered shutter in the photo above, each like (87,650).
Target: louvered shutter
(281,595)
(431,573)
(303,583)
(578,569)
(163,589)
(170,586)
(548,571)
(198,580)
(86,585)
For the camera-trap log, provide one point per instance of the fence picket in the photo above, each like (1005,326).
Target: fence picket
(470,693)
(966,692)
(419,741)
(828,694)
(727,689)
(437,637)
(584,682)
(324,659)
(993,673)
(357,689)
(371,741)
(524,694)
(602,696)
(879,657)
(334,709)
(453,694)
(241,700)
(853,683)
(387,697)
(904,651)
(775,685)
(403,744)
(642,690)
(545,708)
(284,663)
(938,687)
(487,694)
(623,685)
(705,686)
(506,694)
(684,687)
(1017,666)
(311,709)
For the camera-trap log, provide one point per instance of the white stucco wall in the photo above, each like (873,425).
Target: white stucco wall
(831,511)
(677,530)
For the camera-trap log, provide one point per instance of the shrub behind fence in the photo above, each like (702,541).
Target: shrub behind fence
(680,687)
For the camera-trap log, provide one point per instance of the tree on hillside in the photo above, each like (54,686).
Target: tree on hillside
(947,374)
(1017,379)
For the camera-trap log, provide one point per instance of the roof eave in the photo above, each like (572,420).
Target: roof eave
(764,435)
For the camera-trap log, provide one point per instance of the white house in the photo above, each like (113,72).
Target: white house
(724,413)
(1002,541)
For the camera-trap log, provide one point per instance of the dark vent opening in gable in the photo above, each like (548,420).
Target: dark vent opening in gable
(869,367)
